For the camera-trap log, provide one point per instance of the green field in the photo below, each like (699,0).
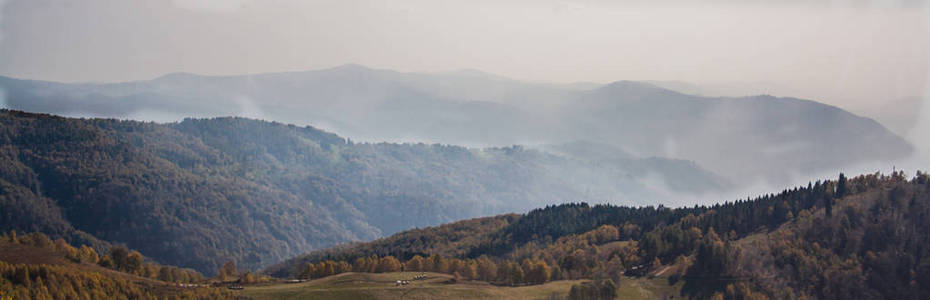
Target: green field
(438,286)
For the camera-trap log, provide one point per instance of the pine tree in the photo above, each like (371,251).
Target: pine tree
(842,188)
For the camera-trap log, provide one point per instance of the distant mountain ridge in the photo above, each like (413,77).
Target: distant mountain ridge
(748,139)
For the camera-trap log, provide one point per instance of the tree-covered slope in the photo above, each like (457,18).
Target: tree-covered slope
(853,238)
(199,192)
(153,188)
(32,266)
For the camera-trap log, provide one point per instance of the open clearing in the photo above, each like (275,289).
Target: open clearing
(440,286)
(383,286)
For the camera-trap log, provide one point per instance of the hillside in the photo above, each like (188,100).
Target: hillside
(35,267)
(748,140)
(862,237)
(203,191)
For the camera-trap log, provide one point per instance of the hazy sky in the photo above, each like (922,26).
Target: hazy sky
(842,52)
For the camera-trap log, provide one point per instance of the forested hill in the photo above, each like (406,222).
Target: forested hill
(203,191)
(32,266)
(859,238)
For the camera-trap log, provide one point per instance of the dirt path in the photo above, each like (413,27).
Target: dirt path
(663,271)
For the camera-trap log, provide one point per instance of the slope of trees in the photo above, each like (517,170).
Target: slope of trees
(873,244)
(656,232)
(20,281)
(32,266)
(851,238)
(250,191)
(117,258)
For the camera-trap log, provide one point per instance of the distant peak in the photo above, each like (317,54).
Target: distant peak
(634,89)
(177,75)
(473,73)
(352,67)
(631,84)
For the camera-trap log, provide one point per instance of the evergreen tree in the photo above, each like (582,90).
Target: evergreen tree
(842,188)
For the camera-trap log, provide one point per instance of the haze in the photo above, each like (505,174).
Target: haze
(869,57)
(854,54)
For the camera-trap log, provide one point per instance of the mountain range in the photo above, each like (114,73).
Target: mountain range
(747,140)
(258,192)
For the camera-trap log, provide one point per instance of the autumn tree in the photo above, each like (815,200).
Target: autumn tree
(164,274)
(536,271)
(470,270)
(227,270)
(388,264)
(415,263)
(88,254)
(487,269)
(247,278)
(512,273)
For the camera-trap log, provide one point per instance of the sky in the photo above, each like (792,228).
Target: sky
(856,54)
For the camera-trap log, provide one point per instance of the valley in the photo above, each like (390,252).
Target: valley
(418,149)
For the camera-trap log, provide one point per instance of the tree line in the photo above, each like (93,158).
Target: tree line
(529,271)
